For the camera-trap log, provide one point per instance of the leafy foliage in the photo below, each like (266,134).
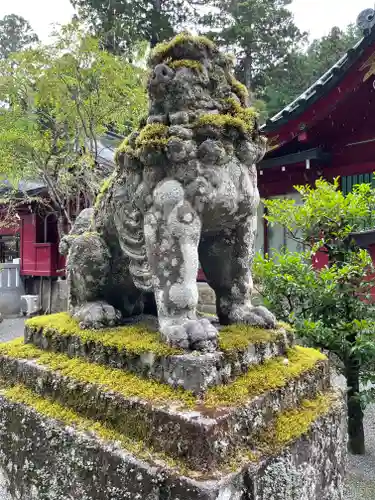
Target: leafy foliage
(60,99)
(260,33)
(272,56)
(121,24)
(299,69)
(15,34)
(331,308)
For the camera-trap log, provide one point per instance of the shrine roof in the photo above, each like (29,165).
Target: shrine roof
(330,79)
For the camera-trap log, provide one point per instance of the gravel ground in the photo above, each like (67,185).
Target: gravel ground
(11,328)
(360,484)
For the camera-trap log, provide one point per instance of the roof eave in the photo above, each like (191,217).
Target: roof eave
(321,87)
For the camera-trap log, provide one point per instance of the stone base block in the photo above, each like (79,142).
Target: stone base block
(43,459)
(194,372)
(217,433)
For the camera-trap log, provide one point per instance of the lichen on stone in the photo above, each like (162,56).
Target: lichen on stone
(273,374)
(163,50)
(20,394)
(136,339)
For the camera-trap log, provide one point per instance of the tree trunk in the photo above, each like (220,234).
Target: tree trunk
(155,23)
(355,413)
(248,71)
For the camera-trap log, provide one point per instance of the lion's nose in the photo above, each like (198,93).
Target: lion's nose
(162,74)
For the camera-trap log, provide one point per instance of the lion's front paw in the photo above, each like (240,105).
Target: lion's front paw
(195,335)
(258,316)
(97,315)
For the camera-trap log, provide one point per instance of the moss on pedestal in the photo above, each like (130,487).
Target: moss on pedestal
(261,378)
(273,374)
(283,431)
(291,424)
(121,381)
(136,339)
(235,338)
(20,394)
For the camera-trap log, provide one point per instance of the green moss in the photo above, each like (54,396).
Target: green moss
(239,89)
(261,378)
(163,50)
(292,424)
(152,131)
(238,337)
(186,63)
(135,339)
(224,122)
(124,148)
(247,115)
(125,383)
(104,188)
(154,135)
(18,349)
(286,428)
(51,409)
(272,374)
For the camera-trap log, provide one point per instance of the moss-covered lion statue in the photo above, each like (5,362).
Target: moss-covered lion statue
(184,191)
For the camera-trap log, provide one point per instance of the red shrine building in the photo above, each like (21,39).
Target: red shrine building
(328,131)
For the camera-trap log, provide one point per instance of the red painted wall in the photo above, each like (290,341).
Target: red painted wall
(39,257)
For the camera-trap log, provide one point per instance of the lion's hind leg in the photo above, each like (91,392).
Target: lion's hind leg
(226,259)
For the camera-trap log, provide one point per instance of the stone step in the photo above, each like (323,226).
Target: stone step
(137,348)
(51,453)
(226,419)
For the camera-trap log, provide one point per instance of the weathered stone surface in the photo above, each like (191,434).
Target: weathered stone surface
(203,438)
(192,371)
(44,460)
(184,191)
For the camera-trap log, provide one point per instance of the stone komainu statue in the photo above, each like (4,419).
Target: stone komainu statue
(184,191)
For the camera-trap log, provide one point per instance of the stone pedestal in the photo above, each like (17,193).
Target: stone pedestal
(108,415)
